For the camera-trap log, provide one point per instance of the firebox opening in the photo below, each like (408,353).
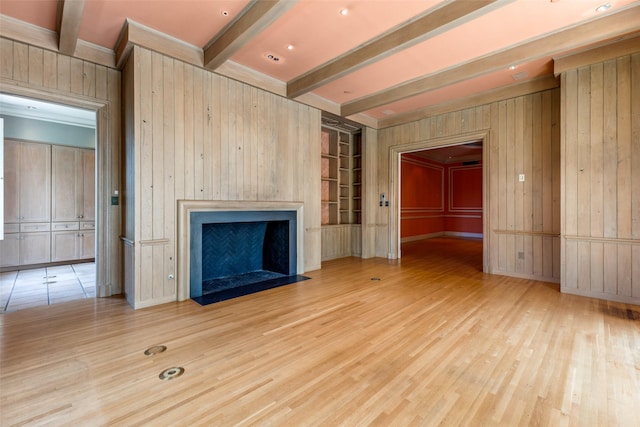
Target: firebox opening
(233,253)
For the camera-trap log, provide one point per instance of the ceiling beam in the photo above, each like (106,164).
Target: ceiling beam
(254,19)
(417,30)
(610,26)
(69,20)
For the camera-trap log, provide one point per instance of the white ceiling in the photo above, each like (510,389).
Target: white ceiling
(39,110)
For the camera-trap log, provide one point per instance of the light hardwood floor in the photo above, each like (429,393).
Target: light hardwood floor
(433,341)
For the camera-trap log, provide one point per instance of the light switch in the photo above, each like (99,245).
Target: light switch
(521,177)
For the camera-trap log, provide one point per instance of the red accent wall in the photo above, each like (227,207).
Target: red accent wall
(439,198)
(422,196)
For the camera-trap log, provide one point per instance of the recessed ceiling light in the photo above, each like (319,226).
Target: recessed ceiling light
(290,47)
(273,58)
(224,13)
(603,7)
(344,12)
(513,67)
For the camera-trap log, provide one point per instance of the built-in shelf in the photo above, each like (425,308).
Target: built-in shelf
(341,172)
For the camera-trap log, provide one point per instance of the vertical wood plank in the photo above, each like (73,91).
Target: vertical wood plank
(216,161)
(198,132)
(251,187)
(77,76)
(584,266)
(528,194)
(20,62)
(570,153)
(596,264)
(179,129)
(50,69)
(189,156)
(624,149)
(207,143)
(510,196)
(610,155)
(583,149)
(169,116)
(101,91)
(610,268)
(502,183)
(224,138)
(596,186)
(635,148)
(6,58)
(64,73)
(36,66)
(157,150)
(144,220)
(89,79)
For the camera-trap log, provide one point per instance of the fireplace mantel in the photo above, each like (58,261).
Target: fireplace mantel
(186,207)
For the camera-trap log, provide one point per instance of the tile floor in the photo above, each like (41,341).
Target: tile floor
(44,286)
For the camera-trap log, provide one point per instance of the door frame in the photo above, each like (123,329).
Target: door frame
(105,285)
(394,187)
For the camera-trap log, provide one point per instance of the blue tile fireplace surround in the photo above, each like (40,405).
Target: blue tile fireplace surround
(232,252)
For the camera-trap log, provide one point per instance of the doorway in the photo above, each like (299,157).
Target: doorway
(48,258)
(448,145)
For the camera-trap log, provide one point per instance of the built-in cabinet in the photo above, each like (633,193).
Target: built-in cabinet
(49,204)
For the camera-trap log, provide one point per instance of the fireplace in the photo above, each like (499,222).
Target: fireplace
(231,249)
(224,246)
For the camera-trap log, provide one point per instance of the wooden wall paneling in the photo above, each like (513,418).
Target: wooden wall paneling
(109,166)
(625,188)
(187,151)
(511,181)
(64,73)
(50,71)
(198,132)
(583,194)
(190,120)
(520,152)
(20,62)
(516,144)
(597,170)
(369,189)
(76,68)
(311,173)
(635,178)
(101,81)
(500,172)
(144,159)
(6,54)
(168,167)
(546,184)
(557,180)
(537,184)
(89,79)
(36,66)
(493,187)
(531,190)
(599,253)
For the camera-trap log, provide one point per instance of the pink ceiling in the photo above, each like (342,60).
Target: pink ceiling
(520,20)
(319,33)
(193,21)
(531,70)
(41,13)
